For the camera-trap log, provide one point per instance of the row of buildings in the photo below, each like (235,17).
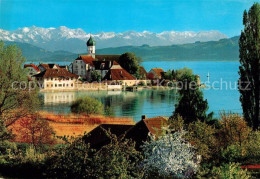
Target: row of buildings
(54,76)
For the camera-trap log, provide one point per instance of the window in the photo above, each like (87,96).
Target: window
(55,85)
(52,85)
(67,85)
(63,84)
(47,85)
(60,85)
(51,79)
(71,78)
(72,85)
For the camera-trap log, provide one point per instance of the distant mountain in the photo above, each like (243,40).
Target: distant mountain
(74,40)
(224,49)
(33,53)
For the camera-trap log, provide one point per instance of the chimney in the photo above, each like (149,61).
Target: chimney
(144,117)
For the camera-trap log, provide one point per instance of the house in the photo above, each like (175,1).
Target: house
(32,70)
(83,66)
(44,66)
(107,57)
(99,137)
(143,73)
(56,79)
(140,132)
(156,73)
(117,75)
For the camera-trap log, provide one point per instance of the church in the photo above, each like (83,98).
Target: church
(84,65)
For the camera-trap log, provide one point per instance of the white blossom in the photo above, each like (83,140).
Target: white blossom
(169,155)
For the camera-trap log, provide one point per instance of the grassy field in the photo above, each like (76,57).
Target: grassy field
(69,125)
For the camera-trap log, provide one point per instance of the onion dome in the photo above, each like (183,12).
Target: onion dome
(91,42)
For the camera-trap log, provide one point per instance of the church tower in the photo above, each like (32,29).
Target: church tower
(91,46)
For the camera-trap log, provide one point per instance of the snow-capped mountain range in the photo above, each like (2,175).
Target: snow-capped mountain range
(74,40)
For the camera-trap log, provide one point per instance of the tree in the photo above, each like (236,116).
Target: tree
(233,130)
(33,130)
(130,63)
(96,76)
(178,74)
(169,156)
(249,53)
(118,159)
(87,105)
(16,100)
(191,105)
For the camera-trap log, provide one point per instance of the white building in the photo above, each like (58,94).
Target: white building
(56,79)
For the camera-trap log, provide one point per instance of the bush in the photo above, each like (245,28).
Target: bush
(230,171)
(87,105)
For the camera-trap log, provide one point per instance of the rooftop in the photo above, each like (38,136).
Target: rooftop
(61,72)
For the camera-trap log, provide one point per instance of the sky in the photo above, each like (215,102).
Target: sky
(124,15)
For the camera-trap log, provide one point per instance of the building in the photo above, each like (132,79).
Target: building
(83,66)
(45,66)
(156,73)
(139,133)
(56,79)
(32,70)
(98,137)
(143,73)
(117,75)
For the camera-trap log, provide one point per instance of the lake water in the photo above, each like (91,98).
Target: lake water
(222,93)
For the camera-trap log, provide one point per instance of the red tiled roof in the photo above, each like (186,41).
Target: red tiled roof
(31,65)
(61,72)
(155,124)
(107,57)
(142,71)
(251,166)
(49,65)
(88,59)
(118,74)
(158,71)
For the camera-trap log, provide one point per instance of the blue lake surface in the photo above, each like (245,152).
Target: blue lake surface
(222,93)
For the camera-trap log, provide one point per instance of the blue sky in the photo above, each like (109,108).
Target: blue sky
(123,15)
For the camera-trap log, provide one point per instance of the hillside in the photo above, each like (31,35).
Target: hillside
(33,53)
(224,49)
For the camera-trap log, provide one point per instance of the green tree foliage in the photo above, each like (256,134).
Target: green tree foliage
(16,100)
(87,105)
(181,73)
(70,160)
(249,53)
(169,75)
(130,63)
(191,105)
(230,171)
(96,76)
(119,159)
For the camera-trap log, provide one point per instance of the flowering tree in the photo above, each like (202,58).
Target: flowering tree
(169,155)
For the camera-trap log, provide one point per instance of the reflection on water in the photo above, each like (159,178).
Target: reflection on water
(131,104)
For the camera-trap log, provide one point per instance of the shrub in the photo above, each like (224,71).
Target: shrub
(87,105)
(233,129)
(230,171)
